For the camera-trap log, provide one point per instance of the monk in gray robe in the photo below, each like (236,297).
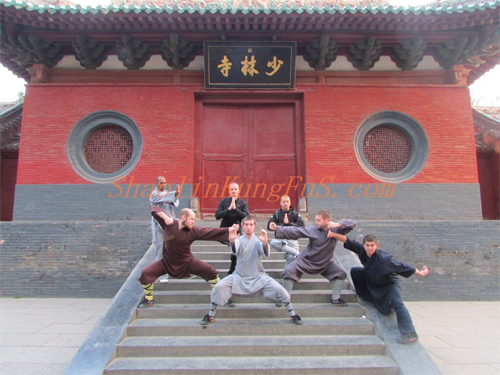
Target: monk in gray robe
(249,276)
(166,200)
(317,256)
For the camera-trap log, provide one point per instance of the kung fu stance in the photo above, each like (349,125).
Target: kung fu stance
(317,256)
(178,261)
(249,276)
(167,201)
(378,282)
(286,217)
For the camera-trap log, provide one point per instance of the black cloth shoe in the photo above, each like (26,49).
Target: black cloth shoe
(408,338)
(145,303)
(207,319)
(296,320)
(339,302)
(230,304)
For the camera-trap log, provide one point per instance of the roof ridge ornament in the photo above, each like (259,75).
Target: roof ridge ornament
(364,54)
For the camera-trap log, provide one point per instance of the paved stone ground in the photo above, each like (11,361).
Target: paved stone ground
(40,336)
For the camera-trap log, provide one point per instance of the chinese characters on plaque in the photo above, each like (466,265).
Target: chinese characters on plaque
(249,64)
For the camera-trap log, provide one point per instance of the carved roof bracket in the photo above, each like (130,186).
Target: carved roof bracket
(178,52)
(364,54)
(31,49)
(468,49)
(132,52)
(408,54)
(320,53)
(88,52)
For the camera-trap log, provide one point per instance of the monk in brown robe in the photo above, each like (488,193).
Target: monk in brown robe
(178,261)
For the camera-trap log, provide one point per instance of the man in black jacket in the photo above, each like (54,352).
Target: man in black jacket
(378,282)
(232,211)
(286,217)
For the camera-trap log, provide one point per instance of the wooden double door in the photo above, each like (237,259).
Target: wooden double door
(253,144)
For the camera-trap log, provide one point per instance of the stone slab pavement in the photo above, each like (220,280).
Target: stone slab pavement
(40,336)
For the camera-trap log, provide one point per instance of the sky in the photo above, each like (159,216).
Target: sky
(484,92)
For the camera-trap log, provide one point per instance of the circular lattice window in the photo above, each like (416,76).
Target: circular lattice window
(104,145)
(108,149)
(391,146)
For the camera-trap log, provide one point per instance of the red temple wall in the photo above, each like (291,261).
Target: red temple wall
(165,117)
(334,113)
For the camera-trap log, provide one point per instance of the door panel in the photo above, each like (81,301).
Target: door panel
(252,144)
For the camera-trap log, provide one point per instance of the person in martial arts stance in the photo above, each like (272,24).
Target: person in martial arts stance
(378,282)
(286,216)
(249,276)
(166,200)
(178,261)
(316,258)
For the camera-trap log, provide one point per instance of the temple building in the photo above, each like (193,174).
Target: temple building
(362,109)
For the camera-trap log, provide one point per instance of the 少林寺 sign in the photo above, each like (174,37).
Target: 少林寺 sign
(249,65)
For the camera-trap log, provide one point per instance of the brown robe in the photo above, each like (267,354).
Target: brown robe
(178,261)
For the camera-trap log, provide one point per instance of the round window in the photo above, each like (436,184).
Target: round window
(108,149)
(104,145)
(391,146)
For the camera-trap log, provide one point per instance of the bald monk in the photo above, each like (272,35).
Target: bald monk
(178,261)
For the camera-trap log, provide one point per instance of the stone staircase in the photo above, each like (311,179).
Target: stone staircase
(255,337)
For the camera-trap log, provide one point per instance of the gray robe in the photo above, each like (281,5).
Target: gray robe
(249,276)
(317,256)
(167,201)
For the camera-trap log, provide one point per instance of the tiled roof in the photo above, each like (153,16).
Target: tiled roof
(222,8)
(487,128)
(10,125)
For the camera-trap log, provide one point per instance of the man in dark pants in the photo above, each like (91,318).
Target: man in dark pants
(378,281)
(232,211)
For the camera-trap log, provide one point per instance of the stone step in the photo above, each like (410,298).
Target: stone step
(200,284)
(274,273)
(249,311)
(211,244)
(298,296)
(249,346)
(208,256)
(224,264)
(318,365)
(251,327)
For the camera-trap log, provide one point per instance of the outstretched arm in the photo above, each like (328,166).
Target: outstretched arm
(423,273)
(161,217)
(337,236)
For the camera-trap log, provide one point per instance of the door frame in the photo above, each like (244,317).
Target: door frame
(249,98)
